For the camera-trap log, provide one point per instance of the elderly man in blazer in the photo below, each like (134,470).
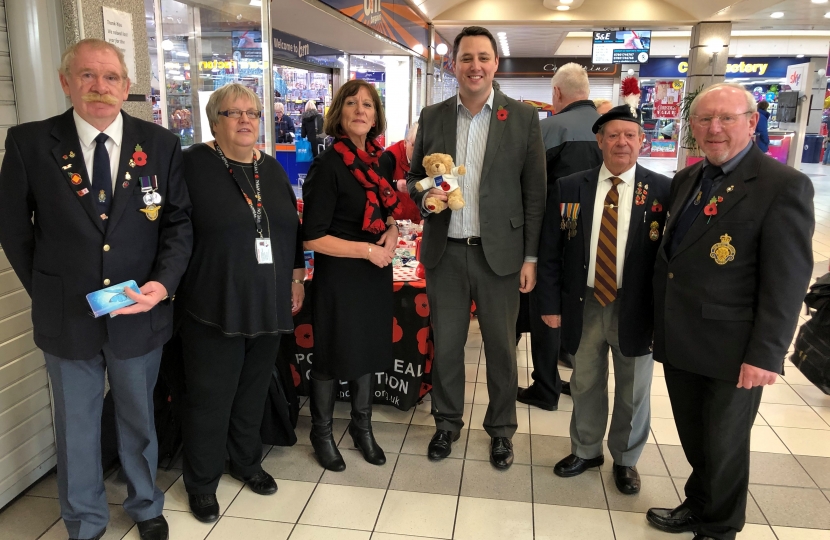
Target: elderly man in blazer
(728,285)
(88,199)
(600,238)
(485,252)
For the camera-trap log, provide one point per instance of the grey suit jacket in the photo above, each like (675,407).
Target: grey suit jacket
(512,189)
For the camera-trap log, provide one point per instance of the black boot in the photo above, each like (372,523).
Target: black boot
(322,407)
(360,428)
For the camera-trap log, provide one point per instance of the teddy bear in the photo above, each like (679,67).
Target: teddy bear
(443,175)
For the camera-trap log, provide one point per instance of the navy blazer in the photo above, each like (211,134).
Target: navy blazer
(60,250)
(710,317)
(563,263)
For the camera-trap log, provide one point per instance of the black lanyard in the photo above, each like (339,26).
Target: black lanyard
(257,213)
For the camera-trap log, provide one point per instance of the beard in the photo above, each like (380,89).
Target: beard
(95,97)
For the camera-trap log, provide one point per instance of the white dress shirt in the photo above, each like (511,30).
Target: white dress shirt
(470,145)
(626,190)
(87,134)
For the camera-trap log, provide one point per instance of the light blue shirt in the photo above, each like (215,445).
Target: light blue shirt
(470,145)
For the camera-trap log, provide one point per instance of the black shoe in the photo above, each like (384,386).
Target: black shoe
(261,483)
(574,466)
(96,537)
(627,479)
(701,537)
(441,444)
(501,452)
(566,388)
(673,520)
(321,404)
(529,396)
(153,529)
(360,428)
(205,508)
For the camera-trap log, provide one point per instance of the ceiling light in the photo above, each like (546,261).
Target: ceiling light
(441,49)
(714,47)
(418,48)
(677,56)
(563,8)
(566,1)
(256,3)
(502,34)
(739,56)
(167,45)
(827,15)
(776,14)
(799,56)
(819,1)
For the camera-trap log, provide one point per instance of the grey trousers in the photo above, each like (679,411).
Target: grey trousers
(631,419)
(78,392)
(463,276)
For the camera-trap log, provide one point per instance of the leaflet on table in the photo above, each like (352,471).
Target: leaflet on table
(113,297)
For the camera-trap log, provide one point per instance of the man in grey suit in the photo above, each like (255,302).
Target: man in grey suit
(485,252)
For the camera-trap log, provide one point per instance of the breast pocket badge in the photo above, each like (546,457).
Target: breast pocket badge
(723,252)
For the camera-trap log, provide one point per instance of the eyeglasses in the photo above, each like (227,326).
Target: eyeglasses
(724,119)
(236,113)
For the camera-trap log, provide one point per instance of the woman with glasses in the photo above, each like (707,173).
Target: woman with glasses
(243,283)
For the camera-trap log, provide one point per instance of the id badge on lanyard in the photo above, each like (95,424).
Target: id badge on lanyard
(263,251)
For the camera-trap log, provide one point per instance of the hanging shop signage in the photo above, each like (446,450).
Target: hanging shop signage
(295,48)
(667,98)
(735,67)
(391,18)
(546,67)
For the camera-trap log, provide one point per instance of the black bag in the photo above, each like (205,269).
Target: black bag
(812,345)
(167,399)
(282,408)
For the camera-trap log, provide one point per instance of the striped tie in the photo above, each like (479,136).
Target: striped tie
(605,280)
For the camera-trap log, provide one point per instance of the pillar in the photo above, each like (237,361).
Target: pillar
(708,55)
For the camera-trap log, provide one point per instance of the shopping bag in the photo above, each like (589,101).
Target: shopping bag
(812,345)
(303,149)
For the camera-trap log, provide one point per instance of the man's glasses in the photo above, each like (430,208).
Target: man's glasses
(236,113)
(724,119)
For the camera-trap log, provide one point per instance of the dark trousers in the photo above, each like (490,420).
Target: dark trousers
(226,385)
(714,420)
(544,343)
(461,276)
(78,398)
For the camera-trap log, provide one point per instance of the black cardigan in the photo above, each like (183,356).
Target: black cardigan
(224,286)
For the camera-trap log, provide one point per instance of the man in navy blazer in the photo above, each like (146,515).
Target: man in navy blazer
(600,238)
(89,199)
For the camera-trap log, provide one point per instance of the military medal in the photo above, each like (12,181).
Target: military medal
(640,194)
(654,232)
(723,252)
(149,185)
(570,213)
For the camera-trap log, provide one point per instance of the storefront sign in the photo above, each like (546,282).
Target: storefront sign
(736,67)
(391,18)
(295,48)
(663,148)
(118,30)
(667,100)
(546,67)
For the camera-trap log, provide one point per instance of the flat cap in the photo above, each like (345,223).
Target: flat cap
(620,112)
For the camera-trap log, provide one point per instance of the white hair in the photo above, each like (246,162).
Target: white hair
(413,131)
(279,107)
(599,102)
(751,105)
(310,105)
(572,80)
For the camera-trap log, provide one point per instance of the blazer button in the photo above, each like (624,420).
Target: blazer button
(671,275)
(106,282)
(580,299)
(106,247)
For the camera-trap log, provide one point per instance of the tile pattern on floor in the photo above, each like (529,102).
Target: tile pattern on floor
(464,497)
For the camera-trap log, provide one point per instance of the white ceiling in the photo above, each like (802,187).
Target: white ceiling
(523,40)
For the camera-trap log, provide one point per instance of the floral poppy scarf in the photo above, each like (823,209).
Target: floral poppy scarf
(363,164)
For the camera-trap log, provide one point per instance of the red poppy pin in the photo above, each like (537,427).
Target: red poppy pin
(139,157)
(656,206)
(502,113)
(711,209)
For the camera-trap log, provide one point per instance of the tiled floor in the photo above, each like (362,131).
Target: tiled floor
(463,497)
